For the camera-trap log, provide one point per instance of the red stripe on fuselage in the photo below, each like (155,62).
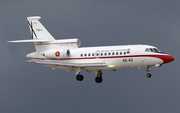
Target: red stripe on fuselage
(165,58)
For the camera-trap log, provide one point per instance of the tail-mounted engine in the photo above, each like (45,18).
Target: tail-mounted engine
(68,43)
(62,53)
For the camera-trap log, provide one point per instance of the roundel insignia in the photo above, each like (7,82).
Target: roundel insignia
(57,53)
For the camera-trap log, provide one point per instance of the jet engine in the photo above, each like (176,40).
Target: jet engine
(62,53)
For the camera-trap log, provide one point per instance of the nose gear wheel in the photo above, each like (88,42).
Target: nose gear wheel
(148,75)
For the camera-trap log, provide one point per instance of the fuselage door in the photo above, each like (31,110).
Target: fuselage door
(97,54)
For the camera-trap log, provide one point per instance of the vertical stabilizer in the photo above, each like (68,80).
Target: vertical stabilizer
(38,31)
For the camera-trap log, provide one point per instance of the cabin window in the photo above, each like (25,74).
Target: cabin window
(120,53)
(116,53)
(124,53)
(81,55)
(93,54)
(97,54)
(85,55)
(105,54)
(113,53)
(89,54)
(101,54)
(109,53)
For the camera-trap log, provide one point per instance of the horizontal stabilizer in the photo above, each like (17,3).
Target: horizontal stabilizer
(102,64)
(31,40)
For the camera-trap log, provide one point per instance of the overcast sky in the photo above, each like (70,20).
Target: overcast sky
(34,88)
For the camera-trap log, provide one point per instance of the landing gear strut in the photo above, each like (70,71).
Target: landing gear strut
(99,79)
(148,70)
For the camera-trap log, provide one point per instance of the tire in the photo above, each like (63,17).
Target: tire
(148,75)
(98,79)
(79,77)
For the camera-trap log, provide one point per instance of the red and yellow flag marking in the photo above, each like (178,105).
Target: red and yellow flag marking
(57,53)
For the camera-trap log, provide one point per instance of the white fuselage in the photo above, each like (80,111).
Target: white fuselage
(114,56)
(66,54)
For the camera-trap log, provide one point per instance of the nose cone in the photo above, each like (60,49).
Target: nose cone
(167,59)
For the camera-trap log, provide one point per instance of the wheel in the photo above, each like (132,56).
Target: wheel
(148,75)
(79,77)
(98,79)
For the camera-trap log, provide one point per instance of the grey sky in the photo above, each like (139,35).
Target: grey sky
(34,88)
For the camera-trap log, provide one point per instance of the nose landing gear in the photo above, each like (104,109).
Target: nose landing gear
(148,75)
(148,70)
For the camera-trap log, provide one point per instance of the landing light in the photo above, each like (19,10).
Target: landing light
(111,65)
(158,65)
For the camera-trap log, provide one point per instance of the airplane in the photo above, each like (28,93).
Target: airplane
(67,54)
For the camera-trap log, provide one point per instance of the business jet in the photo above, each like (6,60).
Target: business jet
(67,55)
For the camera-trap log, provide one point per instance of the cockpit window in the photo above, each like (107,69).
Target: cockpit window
(155,50)
(151,50)
(147,50)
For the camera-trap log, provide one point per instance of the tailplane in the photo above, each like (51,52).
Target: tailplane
(43,40)
(39,34)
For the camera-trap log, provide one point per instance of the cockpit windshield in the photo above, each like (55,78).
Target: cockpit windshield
(155,50)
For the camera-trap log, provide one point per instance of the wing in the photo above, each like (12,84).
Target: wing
(101,64)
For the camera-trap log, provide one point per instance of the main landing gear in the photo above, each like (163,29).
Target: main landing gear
(79,77)
(99,79)
(148,70)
